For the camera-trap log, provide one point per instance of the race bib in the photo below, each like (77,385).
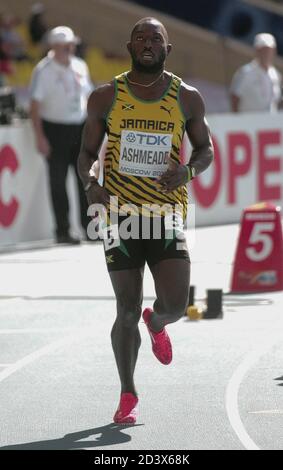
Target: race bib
(111,237)
(144,153)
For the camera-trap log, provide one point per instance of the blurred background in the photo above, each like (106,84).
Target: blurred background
(211,40)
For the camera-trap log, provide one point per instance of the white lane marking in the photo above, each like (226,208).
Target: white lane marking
(231,398)
(11,331)
(266,412)
(38,354)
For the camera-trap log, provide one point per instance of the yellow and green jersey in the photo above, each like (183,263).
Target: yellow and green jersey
(142,135)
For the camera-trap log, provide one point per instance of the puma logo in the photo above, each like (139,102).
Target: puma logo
(167,110)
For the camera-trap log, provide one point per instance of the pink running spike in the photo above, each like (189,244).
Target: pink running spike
(161,344)
(127,410)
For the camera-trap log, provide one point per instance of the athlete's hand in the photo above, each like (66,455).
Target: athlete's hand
(175,176)
(97,195)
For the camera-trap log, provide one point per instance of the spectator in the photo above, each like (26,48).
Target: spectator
(12,41)
(37,25)
(59,91)
(256,86)
(6,67)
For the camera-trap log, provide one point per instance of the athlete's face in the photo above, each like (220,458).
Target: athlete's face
(149,47)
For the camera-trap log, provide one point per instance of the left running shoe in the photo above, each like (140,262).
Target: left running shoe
(161,344)
(127,410)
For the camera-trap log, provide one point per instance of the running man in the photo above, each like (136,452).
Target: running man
(145,113)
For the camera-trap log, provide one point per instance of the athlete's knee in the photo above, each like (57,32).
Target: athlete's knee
(174,309)
(128,314)
(174,313)
(130,318)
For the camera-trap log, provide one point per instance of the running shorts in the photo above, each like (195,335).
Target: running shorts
(131,242)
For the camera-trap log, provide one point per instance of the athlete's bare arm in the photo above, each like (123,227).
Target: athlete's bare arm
(197,129)
(198,132)
(94,131)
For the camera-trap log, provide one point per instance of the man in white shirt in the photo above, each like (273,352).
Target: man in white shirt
(256,86)
(60,88)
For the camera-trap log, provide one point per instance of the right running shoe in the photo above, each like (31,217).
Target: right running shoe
(127,410)
(161,344)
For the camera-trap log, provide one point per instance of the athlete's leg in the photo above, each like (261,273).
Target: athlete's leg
(125,335)
(172,280)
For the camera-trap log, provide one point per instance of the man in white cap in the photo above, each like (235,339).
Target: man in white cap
(256,86)
(60,88)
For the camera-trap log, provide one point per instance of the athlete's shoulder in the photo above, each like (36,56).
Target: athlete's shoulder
(191,100)
(187,89)
(103,91)
(101,99)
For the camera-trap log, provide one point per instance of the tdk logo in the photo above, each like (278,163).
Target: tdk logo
(131,137)
(144,139)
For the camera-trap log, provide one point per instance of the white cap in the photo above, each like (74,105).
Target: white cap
(62,35)
(264,40)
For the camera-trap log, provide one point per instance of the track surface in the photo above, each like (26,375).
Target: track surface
(58,382)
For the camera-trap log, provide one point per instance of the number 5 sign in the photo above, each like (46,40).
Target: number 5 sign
(258,263)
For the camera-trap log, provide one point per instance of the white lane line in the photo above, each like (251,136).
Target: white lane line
(38,354)
(231,398)
(11,331)
(267,412)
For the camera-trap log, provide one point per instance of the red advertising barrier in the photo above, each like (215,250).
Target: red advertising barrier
(8,161)
(258,263)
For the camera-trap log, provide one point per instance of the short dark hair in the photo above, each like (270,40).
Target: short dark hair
(149,19)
